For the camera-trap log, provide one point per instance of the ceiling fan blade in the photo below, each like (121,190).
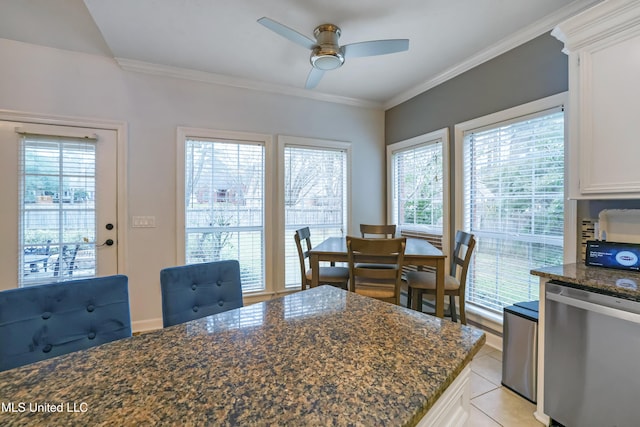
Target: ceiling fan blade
(314,78)
(374,47)
(287,32)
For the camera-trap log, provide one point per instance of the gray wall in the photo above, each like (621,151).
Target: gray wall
(532,71)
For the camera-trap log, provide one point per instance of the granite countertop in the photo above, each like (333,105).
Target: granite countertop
(621,283)
(319,357)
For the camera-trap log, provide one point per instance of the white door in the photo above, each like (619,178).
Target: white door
(59,210)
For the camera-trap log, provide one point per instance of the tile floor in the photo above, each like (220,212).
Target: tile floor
(493,405)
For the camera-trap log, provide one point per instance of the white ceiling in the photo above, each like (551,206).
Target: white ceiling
(220,41)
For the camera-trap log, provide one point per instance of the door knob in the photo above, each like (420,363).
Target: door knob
(108,242)
(109,226)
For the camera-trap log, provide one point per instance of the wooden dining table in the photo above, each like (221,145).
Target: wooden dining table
(418,252)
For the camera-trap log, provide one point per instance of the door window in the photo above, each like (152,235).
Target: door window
(57,208)
(59,200)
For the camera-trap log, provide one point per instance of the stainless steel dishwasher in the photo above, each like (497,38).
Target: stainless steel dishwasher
(591,360)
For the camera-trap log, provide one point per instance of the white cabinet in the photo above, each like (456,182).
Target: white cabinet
(603,44)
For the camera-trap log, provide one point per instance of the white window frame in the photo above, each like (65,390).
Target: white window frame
(287,140)
(442,136)
(570,220)
(184,133)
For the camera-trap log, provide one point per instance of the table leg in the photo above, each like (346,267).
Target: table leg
(440,288)
(314,263)
(417,297)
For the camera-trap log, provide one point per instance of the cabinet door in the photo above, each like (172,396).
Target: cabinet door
(609,111)
(603,44)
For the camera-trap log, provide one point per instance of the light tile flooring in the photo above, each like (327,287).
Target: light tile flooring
(492,404)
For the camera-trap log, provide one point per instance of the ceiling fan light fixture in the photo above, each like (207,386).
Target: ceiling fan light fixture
(326,52)
(326,60)
(326,55)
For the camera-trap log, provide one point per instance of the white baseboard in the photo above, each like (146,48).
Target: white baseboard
(493,341)
(146,325)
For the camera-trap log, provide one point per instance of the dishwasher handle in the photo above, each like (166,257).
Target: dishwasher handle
(593,307)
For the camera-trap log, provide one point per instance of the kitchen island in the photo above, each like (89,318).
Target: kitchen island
(322,356)
(618,283)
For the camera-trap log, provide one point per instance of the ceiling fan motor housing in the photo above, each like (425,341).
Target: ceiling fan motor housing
(327,55)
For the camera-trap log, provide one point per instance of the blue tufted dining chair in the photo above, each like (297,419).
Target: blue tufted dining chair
(198,290)
(44,321)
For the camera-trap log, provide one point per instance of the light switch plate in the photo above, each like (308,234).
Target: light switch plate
(143,222)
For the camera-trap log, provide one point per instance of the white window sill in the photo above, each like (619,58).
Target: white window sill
(485,318)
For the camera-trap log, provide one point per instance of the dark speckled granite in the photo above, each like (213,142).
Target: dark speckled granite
(624,284)
(319,357)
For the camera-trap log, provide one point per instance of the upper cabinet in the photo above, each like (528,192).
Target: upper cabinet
(603,44)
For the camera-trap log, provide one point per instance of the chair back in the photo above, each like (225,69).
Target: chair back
(464,244)
(362,251)
(303,235)
(44,321)
(66,261)
(198,290)
(384,231)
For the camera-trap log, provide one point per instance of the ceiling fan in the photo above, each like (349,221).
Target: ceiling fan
(326,53)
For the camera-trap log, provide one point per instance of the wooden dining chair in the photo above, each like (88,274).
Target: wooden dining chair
(379,283)
(331,275)
(384,231)
(387,231)
(424,282)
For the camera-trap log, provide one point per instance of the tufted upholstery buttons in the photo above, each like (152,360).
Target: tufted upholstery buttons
(56,318)
(197,290)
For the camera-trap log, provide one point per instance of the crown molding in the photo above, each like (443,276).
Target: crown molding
(526,34)
(610,18)
(217,79)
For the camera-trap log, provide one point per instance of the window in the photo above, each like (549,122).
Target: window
(419,184)
(315,194)
(57,209)
(224,204)
(227,183)
(512,200)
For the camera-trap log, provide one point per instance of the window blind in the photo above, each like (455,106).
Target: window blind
(224,206)
(315,196)
(57,219)
(417,186)
(514,205)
